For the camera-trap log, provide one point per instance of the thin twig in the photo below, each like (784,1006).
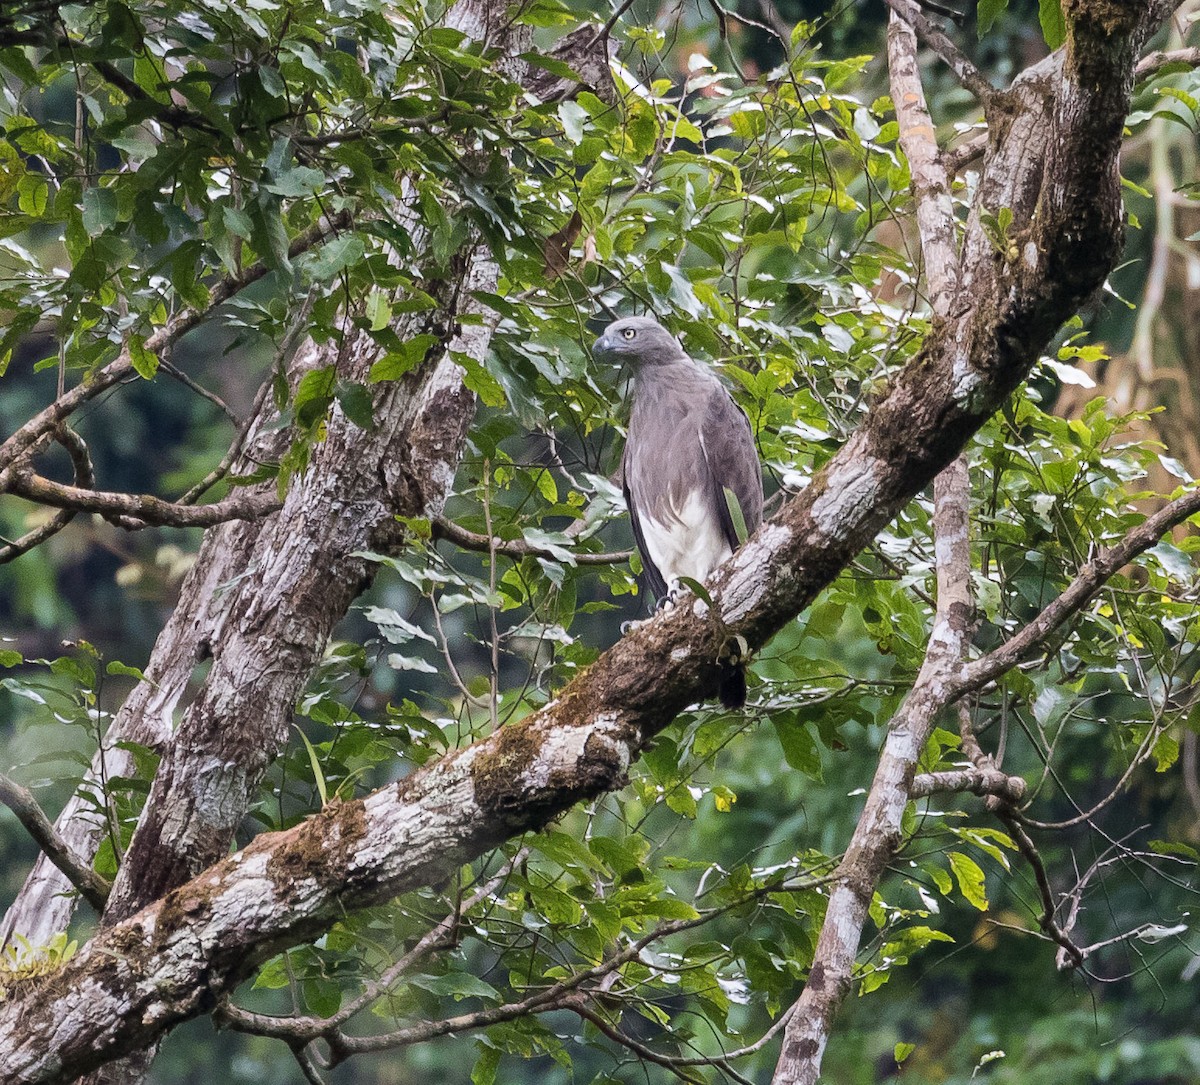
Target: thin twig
(1152,63)
(517,548)
(1047,921)
(199,389)
(579,1005)
(956,159)
(235,450)
(303,1030)
(1088,581)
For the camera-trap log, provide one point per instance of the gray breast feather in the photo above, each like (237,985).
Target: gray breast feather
(688,444)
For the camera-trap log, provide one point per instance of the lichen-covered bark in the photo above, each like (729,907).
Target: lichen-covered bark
(171,960)
(264,596)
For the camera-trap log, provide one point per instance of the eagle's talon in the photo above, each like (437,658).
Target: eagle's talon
(734,651)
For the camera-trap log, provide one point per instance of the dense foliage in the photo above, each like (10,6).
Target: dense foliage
(161,158)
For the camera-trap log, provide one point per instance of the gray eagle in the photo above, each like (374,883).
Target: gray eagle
(691,468)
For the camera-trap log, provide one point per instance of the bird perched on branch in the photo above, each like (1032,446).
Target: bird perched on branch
(692,478)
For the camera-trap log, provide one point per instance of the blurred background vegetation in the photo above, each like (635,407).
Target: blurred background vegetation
(807,314)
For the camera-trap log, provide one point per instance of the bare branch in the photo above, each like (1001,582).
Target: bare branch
(579,1005)
(955,59)
(200,390)
(877,835)
(1003,805)
(930,183)
(555,997)
(1153,63)
(22,803)
(976,781)
(1047,919)
(958,158)
(140,510)
(302,1030)
(234,451)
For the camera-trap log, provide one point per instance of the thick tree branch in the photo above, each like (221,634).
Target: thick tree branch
(1053,167)
(877,836)
(21,802)
(412,833)
(930,182)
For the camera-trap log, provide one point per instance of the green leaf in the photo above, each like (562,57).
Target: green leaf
(237,222)
(315,762)
(321,996)
(334,257)
(144,362)
(799,747)
(296,182)
(32,195)
(456,985)
(987,13)
(735,514)
(379,310)
(484,1071)
(901,1052)
(314,394)
(696,588)
(355,401)
(99,210)
(1054,28)
(1166,752)
(970,878)
(407,356)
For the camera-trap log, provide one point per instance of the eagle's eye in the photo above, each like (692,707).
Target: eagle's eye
(628,333)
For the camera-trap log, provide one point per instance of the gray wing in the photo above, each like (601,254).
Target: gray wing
(657,584)
(732,459)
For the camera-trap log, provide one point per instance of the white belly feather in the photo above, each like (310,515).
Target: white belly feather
(691,544)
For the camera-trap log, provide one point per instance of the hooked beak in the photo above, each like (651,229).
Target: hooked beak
(601,345)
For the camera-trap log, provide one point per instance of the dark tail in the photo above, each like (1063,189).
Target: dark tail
(731,685)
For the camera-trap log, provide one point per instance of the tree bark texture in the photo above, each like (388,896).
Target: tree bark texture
(264,596)
(1052,161)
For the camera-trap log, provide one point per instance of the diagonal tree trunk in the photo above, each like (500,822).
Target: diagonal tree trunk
(1052,162)
(264,596)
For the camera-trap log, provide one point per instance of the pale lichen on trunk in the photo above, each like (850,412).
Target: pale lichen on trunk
(170,961)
